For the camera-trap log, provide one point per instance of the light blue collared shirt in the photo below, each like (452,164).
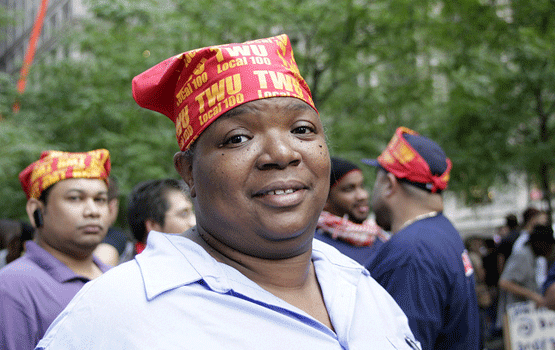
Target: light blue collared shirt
(174,295)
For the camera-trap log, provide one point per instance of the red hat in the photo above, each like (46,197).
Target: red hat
(194,88)
(415,158)
(54,166)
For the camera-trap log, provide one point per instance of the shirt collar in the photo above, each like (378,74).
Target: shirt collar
(323,253)
(54,267)
(170,261)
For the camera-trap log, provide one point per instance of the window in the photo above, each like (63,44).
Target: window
(53,21)
(65,12)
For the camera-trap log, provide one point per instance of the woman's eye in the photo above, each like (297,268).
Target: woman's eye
(303,130)
(235,139)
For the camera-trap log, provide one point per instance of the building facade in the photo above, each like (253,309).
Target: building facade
(14,39)
(484,219)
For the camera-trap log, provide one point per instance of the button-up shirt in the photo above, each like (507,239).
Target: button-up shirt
(175,295)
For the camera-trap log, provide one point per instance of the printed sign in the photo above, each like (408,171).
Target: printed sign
(528,328)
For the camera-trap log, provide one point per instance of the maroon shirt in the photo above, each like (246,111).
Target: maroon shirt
(34,289)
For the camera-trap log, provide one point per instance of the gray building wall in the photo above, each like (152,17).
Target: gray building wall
(15,38)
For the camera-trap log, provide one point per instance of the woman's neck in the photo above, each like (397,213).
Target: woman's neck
(292,279)
(289,273)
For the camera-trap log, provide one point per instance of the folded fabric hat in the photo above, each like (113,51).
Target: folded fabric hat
(340,168)
(416,159)
(54,166)
(194,88)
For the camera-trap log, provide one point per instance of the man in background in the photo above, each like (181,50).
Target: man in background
(68,207)
(161,205)
(424,265)
(343,223)
(533,217)
(518,281)
(116,241)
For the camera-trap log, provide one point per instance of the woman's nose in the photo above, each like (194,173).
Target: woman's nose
(278,151)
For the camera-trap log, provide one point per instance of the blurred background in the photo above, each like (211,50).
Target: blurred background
(477,76)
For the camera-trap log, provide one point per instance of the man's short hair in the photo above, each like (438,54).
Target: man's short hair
(147,201)
(45,194)
(113,187)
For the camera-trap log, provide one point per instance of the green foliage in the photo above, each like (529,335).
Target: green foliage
(501,103)
(7,17)
(477,77)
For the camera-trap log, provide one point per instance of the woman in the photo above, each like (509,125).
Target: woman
(249,275)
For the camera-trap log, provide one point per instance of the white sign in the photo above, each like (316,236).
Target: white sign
(529,328)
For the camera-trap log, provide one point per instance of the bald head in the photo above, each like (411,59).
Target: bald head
(395,201)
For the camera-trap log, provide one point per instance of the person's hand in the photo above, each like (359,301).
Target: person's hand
(539,300)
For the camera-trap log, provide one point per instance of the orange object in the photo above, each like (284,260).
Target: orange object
(30,54)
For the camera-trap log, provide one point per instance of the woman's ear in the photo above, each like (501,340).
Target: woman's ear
(183,163)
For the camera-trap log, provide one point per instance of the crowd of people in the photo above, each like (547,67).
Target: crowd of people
(72,204)
(265,241)
(516,265)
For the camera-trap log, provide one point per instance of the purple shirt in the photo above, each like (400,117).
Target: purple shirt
(34,289)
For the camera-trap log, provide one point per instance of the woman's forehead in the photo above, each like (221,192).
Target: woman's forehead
(256,106)
(275,104)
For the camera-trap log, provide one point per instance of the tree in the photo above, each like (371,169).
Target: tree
(476,76)
(86,103)
(502,91)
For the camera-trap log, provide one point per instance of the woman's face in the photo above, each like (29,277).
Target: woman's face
(260,176)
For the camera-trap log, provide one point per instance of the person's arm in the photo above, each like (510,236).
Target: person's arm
(500,263)
(521,291)
(517,271)
(550,297)
(478,266)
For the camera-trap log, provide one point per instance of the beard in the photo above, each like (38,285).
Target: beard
(383,215)
(357,219)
